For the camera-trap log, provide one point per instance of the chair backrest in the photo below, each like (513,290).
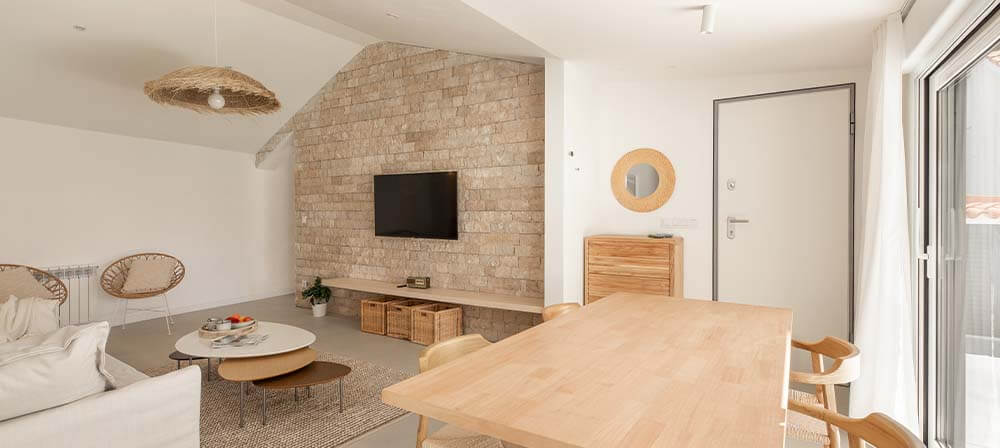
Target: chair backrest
(846,368)
(879,430)
(48,281)
(442,353)
(450,350)
(553,311)
(846,362)
(113,278)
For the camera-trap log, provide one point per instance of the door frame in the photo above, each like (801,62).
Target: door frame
(852,89)
(955,56)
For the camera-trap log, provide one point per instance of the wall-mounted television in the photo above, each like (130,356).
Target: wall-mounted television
(419,205)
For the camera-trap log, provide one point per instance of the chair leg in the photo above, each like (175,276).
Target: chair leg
(167,306)
(167,317)
(124,313)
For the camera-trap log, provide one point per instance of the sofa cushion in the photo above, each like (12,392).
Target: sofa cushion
(27,317)
(40,372)
(21,283)
(149,275)
(122,374)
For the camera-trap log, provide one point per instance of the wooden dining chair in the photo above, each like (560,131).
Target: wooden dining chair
(878,429)
(553,311)
(846,367)
(451,436)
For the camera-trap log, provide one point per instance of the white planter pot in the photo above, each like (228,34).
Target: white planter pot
(319,310)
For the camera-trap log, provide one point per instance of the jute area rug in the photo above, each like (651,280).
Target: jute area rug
(310,422)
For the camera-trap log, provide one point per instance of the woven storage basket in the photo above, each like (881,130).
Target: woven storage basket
(398,317)
(436,323)
(373,314)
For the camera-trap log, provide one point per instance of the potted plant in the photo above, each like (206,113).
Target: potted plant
(319,296)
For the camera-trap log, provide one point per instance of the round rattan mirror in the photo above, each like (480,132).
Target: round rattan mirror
(643,180)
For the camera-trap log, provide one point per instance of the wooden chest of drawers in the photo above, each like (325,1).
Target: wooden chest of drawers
(626,263)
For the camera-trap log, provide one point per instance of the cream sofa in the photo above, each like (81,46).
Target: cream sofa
(141,412)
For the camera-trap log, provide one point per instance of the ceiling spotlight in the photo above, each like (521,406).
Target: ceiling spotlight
(79,28)
(708,19)
(393,15)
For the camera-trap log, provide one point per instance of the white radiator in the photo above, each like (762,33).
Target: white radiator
(82,281)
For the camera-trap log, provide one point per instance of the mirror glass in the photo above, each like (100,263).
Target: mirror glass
(641,180)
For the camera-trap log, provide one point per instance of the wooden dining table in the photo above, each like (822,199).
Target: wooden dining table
(629,370)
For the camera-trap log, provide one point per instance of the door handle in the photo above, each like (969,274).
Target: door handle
(731,222)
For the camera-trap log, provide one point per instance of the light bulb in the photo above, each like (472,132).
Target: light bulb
(216,100)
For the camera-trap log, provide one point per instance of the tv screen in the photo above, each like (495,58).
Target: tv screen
(421,205)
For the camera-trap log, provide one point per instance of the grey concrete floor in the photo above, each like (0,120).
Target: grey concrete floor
(146,344)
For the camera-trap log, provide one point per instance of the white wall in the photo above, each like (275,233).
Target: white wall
(611,110)
(69,196)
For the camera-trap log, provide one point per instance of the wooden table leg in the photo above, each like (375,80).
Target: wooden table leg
(340,385)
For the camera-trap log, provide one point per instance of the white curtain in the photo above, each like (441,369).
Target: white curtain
(884,329)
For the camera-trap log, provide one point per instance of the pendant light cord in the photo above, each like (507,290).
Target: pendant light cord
(215,29)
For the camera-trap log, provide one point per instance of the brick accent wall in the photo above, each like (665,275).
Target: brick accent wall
(400,109)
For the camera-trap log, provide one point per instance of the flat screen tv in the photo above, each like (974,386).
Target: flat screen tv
(420,205)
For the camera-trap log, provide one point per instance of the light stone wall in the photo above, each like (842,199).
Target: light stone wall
(399,109)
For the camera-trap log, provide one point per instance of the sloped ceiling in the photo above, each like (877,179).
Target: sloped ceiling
(444,24)
(94,79)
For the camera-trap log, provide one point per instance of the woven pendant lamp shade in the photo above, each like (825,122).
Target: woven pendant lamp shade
(190,87)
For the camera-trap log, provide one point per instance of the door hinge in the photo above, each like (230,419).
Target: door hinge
(929,257)
(852,121)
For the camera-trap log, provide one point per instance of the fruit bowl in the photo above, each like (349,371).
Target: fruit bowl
(245,323)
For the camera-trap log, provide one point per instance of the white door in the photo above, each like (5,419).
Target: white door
(783,216)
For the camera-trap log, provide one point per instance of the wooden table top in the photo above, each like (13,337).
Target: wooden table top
(261,367)
(318,372)
(629,370)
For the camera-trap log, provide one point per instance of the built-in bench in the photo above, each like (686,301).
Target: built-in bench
(460,297)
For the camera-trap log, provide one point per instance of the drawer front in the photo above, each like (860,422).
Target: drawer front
(654,267)
(662,249)
(601,285)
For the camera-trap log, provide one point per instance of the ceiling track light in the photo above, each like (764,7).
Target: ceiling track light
(708,19)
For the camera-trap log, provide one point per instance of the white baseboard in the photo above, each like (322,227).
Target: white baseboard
(134,316)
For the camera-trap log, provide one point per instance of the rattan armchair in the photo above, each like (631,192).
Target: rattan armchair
(48,281)
(113,280)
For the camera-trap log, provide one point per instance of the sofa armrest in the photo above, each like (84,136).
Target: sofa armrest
(160,412)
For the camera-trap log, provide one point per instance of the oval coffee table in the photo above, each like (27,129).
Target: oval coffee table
(285,350)
(318,372)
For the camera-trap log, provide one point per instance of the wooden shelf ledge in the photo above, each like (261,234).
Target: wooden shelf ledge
(473,298)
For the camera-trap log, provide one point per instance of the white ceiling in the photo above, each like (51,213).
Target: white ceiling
(444,24)
(751,36)
(94,79)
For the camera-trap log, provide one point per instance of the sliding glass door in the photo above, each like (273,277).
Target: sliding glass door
(963,300)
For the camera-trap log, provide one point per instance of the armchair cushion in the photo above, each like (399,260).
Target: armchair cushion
(19,282)
(147,275)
